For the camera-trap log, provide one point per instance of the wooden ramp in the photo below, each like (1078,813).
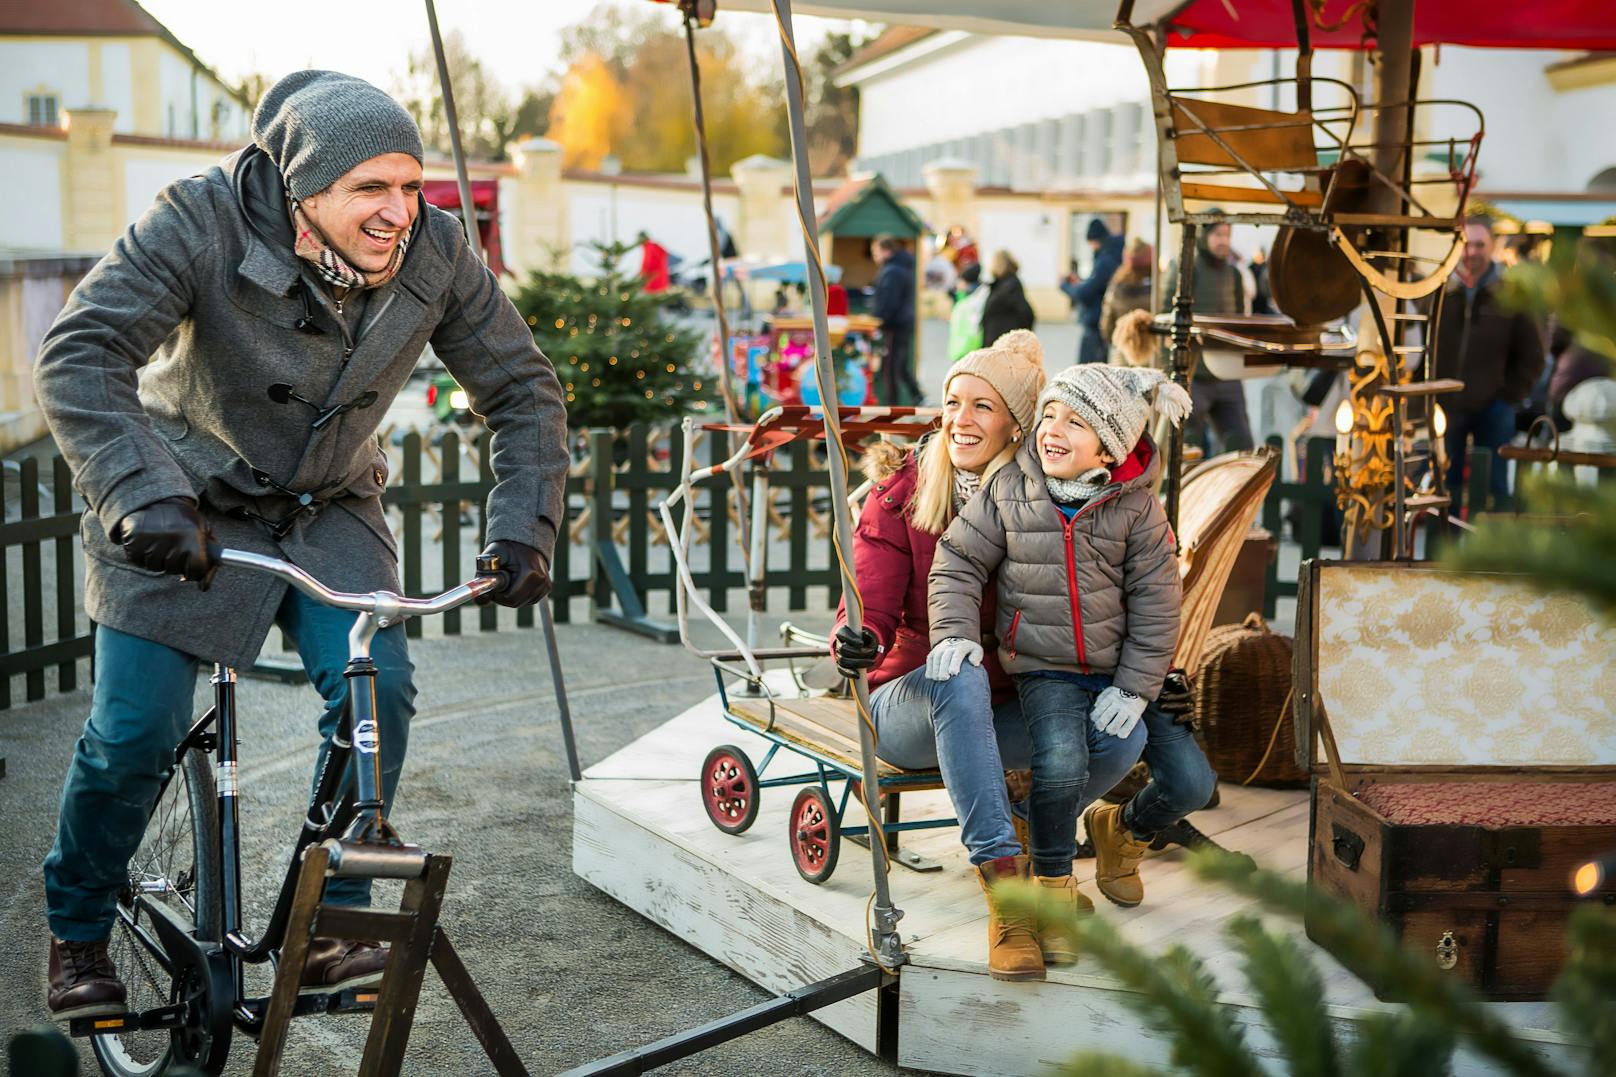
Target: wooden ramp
(640,834)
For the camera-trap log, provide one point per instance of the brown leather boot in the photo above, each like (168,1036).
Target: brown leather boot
(339,964)
(1013,952)
(1116,855)
(1060,902)
(83,981)
(1023,831)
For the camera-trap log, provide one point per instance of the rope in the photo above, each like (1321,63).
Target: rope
(1273,738)
(743,534)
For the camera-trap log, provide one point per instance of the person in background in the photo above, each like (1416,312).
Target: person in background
(1006,307)
(1217,288)
(1088,294)
(1497,353)
(1262,296)
(965,322)
(895,306)
(653,264)
(1129,288)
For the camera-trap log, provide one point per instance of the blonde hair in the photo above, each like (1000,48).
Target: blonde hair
(1003,263)
(932,508)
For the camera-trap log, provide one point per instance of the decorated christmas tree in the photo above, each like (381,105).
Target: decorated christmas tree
(619,358)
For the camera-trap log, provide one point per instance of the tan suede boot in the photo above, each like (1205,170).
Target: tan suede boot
(1023,833)
(1116,855)
(1013,952)
(1061,902)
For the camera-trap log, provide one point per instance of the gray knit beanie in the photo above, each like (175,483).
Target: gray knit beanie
(316,125)
(1117,401)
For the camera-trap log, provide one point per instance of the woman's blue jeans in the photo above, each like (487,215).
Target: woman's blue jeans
(955,727)
(1072,762)
(141,708)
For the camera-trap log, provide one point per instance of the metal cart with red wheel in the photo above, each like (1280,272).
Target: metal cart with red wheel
(819,728)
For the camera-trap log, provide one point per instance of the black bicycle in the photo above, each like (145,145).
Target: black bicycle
(178,940)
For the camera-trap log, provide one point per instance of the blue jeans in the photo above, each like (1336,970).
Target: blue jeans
(140,710)
(1181,779)
(1072,762)
(1492,428)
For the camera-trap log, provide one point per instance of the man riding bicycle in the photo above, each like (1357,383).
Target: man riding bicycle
(278,303)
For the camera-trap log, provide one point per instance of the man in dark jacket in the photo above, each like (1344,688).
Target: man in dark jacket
(1088,295)
(1217,289)
(1495,351)
(895,306)
(277,303)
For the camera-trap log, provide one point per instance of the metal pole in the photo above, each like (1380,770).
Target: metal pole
(888,950)
(468,211)
(1183,320)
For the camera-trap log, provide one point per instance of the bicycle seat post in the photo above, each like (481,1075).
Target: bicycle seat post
(364,732)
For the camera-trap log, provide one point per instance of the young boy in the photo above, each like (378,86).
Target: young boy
(1088,589)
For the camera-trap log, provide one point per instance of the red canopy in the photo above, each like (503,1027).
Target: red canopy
(445,194)
(1539,24)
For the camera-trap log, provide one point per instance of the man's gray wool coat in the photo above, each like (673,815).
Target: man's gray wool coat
(206,288)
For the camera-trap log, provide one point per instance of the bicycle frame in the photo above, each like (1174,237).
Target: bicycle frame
(355,813)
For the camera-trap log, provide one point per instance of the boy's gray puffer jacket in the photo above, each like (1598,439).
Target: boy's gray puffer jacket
(1096,594)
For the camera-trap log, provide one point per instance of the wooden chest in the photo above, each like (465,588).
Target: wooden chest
(1468,728)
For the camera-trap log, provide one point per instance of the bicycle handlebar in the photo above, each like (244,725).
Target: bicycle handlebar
(382,602)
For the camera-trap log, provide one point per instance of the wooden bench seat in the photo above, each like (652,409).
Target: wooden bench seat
(820,724)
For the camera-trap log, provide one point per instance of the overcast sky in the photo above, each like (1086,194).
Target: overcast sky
(518,39)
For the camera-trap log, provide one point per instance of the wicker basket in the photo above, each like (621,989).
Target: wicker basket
(1242,697)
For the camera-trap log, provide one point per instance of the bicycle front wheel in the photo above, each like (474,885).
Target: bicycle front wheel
(177,863)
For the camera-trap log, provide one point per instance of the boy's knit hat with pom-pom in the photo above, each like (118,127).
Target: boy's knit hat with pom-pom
(1117,402)
(1014,366)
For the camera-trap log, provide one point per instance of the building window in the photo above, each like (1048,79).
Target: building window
(43,110)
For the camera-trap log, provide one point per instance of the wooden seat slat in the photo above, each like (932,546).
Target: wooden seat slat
(1223,192)
(827,726)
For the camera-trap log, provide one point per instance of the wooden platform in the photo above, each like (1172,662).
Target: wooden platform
(640,835)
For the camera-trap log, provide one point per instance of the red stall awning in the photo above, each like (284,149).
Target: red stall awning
(1244,24)
(445,194)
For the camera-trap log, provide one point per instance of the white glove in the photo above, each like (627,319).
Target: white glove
(945,659)
(1117,711)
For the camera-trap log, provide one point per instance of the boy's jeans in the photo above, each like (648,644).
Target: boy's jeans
(1071,762)
(1181,779)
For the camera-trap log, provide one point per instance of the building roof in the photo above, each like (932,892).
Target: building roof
(887,41)
(96,18)
(867,206)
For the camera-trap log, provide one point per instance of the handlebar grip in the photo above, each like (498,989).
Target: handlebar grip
(215,551)
(488,565)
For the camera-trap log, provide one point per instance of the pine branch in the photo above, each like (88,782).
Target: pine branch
(1401,1045)
(1371,952)
(1586,989)
(1173,993)
(1292,996)
(1099,1064)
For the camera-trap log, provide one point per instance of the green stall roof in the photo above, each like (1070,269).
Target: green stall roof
(869,208)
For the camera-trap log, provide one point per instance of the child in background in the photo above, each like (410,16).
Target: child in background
(1088,592)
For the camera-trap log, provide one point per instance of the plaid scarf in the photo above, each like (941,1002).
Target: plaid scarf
(310,246)
(966,484)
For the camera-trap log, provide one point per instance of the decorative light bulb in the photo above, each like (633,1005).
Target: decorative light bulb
(1439,421)
(1344,418)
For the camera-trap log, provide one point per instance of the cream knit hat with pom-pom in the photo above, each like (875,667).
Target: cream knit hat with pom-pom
(1014,366)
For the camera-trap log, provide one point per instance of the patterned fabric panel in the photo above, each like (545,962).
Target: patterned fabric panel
(1495,804)
(1438,668)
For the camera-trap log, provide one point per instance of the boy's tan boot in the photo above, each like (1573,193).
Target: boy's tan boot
(1013,952)
(1060,902)
(1116,855)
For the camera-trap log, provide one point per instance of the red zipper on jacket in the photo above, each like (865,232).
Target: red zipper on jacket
(1010,640)
(1071,581)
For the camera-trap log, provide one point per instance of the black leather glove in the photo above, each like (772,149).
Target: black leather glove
(526,576)
(169,536)
(1176,697)
(856,651)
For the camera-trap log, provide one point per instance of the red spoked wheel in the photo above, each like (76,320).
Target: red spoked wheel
(729,789)
(815,835)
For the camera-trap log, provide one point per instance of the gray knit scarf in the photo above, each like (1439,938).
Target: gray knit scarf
(966,484)
(1080,490)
